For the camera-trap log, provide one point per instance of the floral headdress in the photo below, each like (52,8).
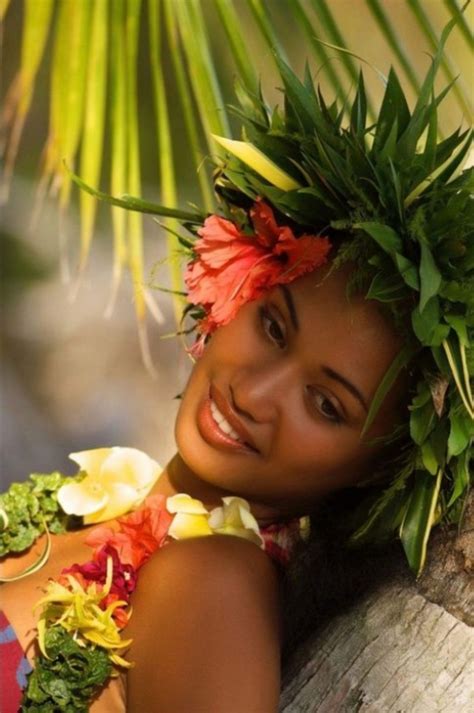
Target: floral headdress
(391,198)
(233,266)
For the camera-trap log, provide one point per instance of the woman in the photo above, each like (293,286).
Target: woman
(312,296)
(289,378)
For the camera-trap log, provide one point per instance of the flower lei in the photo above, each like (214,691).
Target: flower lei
(85,609)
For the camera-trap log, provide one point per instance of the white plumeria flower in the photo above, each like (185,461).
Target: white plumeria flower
(117,480)
(191,517)
(235,518)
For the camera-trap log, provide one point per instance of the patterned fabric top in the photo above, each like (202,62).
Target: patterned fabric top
(281,539)
(14,666)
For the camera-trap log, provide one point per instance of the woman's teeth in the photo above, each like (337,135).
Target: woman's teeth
(222,423)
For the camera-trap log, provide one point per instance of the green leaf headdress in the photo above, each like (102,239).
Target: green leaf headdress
(393,200)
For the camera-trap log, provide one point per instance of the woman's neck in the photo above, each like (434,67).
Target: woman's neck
(178,478)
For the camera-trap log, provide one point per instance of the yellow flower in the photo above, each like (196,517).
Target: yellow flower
(117,480)
(190,519)
(193,520)
(77,611)
(235,518)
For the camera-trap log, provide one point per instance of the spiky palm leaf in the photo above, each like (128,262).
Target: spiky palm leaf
(87,37)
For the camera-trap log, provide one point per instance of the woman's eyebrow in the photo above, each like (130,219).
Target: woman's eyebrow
(348,384)
(290,306)
(327,370)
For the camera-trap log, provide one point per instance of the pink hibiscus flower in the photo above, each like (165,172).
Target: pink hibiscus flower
(232,268)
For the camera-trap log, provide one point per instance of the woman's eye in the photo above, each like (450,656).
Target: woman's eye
(326,408)
(272,328)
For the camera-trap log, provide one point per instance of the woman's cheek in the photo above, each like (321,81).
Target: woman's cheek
(321,454)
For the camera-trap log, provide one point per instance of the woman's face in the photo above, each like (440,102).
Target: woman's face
(292,376)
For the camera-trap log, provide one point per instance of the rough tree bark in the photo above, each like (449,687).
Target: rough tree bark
(408,647)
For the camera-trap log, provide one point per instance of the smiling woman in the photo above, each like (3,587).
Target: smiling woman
(275,406)
(332,382)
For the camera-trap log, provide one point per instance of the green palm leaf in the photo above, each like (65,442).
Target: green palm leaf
(419,518)
(94,122)
(85,116)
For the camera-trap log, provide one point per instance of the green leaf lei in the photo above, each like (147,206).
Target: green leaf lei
(71,674)
(28,509)
(69,678)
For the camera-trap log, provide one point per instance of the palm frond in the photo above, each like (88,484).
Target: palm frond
(93,113)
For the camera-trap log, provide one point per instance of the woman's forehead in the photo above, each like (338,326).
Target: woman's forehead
(344,328)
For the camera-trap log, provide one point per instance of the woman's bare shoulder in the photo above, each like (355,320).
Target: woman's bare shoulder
(220,556)
(205,629)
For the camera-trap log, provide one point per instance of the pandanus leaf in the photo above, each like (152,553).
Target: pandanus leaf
(334,33)
(419,518)
(394,41)
(202,69)
(134,231)
(359,110)
(71,89)
(424,23)
(185,97)
(464,389)
(261,164)
(317,47)
(399,363)
(461,432)
(138,204)
(231,24)
(169,194)
(36,25)
(94,119)
(118,159)
(420,116)
(430,276)
(384,235)
(460,18)
(67,96)
(384,517)
(3,8)
(134,219)
(261,14)
(394,110)
(303,105)
(461,476)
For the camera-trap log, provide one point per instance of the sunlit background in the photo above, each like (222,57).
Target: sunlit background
(73,378)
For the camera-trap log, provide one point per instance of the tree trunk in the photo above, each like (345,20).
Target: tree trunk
(406,648)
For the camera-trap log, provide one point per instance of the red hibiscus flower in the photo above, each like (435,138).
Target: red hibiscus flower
(141,532)
(124,576)
(232,268)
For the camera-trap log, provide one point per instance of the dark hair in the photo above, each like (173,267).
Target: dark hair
(325,576)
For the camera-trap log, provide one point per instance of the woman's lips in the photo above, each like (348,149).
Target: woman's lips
(229,414)
(213,435)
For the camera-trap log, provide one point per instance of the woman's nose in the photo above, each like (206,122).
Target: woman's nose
(260,394)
